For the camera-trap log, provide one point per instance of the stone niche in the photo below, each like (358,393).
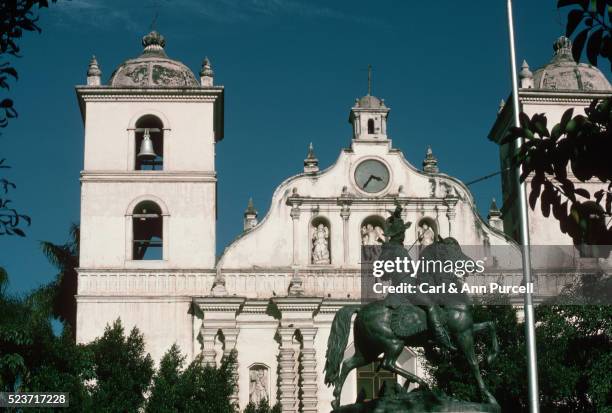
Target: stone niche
(259,383)
(320,245)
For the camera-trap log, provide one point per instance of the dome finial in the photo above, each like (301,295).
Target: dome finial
(154,43)
(563,49)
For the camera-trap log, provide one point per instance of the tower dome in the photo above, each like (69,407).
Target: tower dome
(563,73)
(153,68)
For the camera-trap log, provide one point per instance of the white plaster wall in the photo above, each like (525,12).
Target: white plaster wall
(270,243)
(162,321)
(190,235)
(188,142)
(256,345)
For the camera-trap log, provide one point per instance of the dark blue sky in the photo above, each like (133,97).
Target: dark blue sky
(291,70)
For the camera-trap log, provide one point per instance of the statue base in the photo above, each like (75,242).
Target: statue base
(417,401)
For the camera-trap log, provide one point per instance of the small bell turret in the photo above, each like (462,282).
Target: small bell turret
(146,147)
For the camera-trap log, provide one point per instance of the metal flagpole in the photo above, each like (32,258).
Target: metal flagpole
(532,367)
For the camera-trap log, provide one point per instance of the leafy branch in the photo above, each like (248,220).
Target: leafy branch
(592,21)
(16,17)
(575,151)
(10,218)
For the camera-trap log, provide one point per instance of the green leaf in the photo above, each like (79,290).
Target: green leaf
(535,192)
(565,3)
(579,44)
(583,193)
(556,132)
(524,120)
(574,18)
(594,46)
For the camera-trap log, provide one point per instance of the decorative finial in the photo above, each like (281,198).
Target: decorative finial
(493,209)
(526,76)
(93,72)
(369,80)
(311,163)
(562,49)
(250,215)
(430,163)
(502,104)
(495,218)
(206,73)
(154,43)
(250,207)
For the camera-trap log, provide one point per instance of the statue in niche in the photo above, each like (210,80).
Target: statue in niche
(258,386)
(320,245)
(372,237)
(426,234)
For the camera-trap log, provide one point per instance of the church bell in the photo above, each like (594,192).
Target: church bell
(146,147)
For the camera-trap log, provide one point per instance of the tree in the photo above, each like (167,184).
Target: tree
(16,17)
(575,364)
(262,407)
(207,389)
(62,366)
(32,358)
(581,144)
(10,219)
(593,18)
(122,371)
(198,388)
(65,257)
(165,391)
(505,377)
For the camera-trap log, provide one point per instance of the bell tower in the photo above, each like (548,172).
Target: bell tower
(369,117)
(148,185)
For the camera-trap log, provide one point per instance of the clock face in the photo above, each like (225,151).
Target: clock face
(371,176)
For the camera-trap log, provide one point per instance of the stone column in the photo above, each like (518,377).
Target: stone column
(287,377)
(295,217)
(345,213)
(231,337)
(309,371)
(450,213)
(208,346)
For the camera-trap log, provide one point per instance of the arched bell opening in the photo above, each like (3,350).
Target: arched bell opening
(149,149)
(147,231)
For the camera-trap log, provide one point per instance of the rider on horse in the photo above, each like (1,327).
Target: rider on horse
(393,246)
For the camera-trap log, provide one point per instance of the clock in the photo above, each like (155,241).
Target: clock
(371,176)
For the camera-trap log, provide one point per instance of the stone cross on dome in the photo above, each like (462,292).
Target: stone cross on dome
(369,80)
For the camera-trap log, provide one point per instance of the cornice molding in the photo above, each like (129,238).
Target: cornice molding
(148,176)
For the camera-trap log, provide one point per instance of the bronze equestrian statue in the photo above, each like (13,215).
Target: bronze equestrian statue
(386,326)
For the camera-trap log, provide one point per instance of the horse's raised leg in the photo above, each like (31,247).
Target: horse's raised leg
(349,364)
(494,343)
(390,357)
(466,344)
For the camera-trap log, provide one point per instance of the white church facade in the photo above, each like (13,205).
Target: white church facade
(148,224)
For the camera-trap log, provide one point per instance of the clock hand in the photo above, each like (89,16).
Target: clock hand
(377,178)
(368,181)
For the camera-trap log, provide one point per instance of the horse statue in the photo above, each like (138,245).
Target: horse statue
(387,326)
